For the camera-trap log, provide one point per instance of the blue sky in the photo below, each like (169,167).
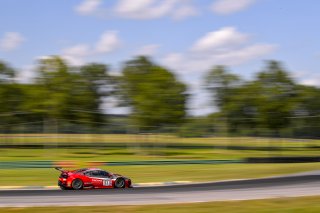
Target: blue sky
(186,36)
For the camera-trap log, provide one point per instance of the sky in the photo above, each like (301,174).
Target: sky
(186,36)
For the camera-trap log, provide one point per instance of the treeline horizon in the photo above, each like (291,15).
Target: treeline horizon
(63,98)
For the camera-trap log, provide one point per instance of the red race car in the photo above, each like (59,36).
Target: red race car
(91,178)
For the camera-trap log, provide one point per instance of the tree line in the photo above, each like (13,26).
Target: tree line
(271,104)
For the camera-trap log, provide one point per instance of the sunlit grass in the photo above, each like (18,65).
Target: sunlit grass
(283,205)
(134,152)
(139,153)
(151,138)
(162,173)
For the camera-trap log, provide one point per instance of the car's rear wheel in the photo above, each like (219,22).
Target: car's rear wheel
(119,183)
(63,187)
(77,184)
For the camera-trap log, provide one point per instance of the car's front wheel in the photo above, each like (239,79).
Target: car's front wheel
(77,184)
(119,183)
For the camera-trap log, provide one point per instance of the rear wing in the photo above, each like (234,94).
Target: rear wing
(59,169)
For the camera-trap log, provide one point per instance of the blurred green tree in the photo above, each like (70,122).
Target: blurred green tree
(156,97)
(243,108)
(6,73)
(11,98)
(72,94)
(267,101)
(278,96)
(306,119)
(221,84)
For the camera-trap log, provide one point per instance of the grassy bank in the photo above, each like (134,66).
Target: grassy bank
(283,205)
(139,174)
(131,151)
(146,147)
(131,154)
(151,138)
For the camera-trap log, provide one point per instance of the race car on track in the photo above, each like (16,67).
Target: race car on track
(91,178)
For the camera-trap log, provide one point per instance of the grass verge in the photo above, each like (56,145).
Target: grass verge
(105,154)
(151,138)
(283,205)
(159,173)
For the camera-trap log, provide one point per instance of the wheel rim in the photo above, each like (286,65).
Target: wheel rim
(120,183)
(77,184)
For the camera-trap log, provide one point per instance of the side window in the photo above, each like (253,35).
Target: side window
(104,173)
(93,173)
(97,173)
(88,174)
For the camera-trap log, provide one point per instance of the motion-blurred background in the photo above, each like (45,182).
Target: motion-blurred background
(58,120)
(169,92)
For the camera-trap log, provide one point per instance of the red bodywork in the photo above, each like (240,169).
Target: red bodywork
(91,178)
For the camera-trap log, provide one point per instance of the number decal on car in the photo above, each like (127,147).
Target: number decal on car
(106,182)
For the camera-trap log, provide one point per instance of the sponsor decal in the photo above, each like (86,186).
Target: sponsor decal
(103,181)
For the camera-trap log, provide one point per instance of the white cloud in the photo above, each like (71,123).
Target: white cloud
(78,50)
(88,7)
(199,100)
(148,50)
(143,9)
(11,41)
(26,74)
(185,11)
(151,9)
(108,42)
(140,9)
(311,82)
(77,54)
(224,7)
(225,46)
(175,61)
(242,55)
(222,40)
(307,78)
(126,6)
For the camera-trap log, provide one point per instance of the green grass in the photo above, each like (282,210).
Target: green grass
(139,174)
(130,154)
(149,138)
(132,151)
(283,205)
(151,173)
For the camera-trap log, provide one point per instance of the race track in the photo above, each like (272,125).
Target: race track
(285,186)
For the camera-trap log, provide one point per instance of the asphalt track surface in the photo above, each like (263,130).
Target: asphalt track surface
(304,184)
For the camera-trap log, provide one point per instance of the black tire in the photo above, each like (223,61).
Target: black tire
(77,184)
(63,187)
(120,183)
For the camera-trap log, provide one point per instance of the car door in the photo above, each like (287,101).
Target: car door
(100,179)
(106,180)
(93,175)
